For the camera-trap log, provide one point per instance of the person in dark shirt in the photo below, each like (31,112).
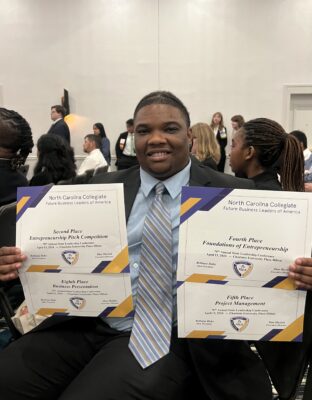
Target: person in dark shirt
(98,129)
(125,148)
(205,146)
(220,131)
(261,150)
(55,161)
(15,145)
(59,126)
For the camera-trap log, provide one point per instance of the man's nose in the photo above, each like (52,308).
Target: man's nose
(157,136)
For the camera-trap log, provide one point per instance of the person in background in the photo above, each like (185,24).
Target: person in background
(98,129)
(56,161)
(94,158)
(261,149)
(237,122)
(307,154)
(125,148)
(15,144)
(220,132)
(59,126)
(205,146)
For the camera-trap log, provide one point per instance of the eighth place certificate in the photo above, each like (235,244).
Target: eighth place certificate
(235,247)
(75,240)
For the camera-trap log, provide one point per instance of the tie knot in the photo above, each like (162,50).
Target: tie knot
(159,189)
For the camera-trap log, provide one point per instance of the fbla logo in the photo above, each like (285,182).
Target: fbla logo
(70,256)
(78,302)
(239,323)
(242,268)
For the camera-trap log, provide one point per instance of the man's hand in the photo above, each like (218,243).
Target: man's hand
(301,272)
(11,260)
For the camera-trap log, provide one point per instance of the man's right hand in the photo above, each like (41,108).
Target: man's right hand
(11,259)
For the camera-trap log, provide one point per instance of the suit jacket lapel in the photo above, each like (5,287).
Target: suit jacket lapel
(131,187)
(199,176)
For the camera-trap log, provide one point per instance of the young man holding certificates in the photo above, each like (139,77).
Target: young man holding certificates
(140,356)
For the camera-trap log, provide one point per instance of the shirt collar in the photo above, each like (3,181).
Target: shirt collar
(306,153)
(57,120)
(172,184)
(93,151)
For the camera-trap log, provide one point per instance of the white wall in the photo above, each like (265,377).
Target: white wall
(232,56)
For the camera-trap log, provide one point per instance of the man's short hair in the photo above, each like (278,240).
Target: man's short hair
(164,97)
(130,122)
(301,136)
(94,138)
(59,109)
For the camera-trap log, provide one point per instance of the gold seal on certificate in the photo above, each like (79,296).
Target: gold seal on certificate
(242,268)
(235,247)
(75,240)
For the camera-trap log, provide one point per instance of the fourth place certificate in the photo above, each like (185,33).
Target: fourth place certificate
(235,247)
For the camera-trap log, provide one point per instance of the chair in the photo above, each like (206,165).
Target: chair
(8,224)
(101,170)
(11,293)
(78,179)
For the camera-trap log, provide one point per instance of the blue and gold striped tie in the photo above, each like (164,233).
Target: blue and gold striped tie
(151,331)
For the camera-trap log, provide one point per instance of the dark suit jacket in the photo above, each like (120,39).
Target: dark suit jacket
(222,142)
(60,128)
(227,370)
(121,159)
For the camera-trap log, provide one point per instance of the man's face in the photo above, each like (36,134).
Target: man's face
(162,140)
(87,146)
(55,115)
(130,128)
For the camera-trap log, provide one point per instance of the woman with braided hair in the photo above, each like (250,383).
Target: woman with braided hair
(261,149)
(15,145)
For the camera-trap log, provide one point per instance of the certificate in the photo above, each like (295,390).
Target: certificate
(104,295)
(73,229)
(75,240)
(242,237)
(235,242)
(237,312)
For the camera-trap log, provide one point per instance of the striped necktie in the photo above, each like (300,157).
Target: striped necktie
(151,331)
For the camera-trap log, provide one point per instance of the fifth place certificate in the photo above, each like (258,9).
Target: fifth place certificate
(75,240)
(235,247)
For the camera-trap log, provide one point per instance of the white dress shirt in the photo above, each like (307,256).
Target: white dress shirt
(94,160)
(129,149)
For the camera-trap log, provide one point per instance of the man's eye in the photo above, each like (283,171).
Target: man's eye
(142,131)
(171,129)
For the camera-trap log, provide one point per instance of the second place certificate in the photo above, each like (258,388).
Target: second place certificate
(75,240)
